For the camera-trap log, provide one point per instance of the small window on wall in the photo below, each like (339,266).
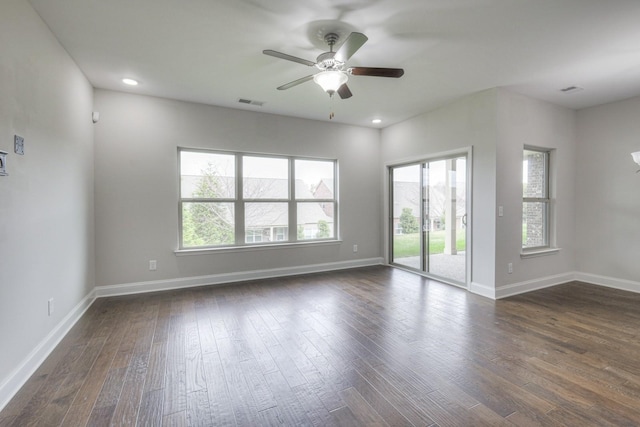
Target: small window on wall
(536,200)
(240,199)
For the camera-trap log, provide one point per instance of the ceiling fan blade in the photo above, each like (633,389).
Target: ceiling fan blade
(350,46)
(376,72)
(344,92)
(295,82)
(288,57)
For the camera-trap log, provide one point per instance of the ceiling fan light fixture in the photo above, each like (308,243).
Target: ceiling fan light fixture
(330,81)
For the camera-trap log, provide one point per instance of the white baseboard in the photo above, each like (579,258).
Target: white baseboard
(610,282)
(534,284)
(23,372)
(482,290)
(546,282)
(224,278)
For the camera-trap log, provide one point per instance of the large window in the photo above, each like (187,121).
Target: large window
(237,199)
(536,201)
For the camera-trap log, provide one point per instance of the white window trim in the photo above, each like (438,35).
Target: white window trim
(239,202)
(255,247)
(538,252)
(550,248)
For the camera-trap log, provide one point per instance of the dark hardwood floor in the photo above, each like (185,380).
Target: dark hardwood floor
(372,346)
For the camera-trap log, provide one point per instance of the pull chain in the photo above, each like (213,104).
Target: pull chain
(331,114)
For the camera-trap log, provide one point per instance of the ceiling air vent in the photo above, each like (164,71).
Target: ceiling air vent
(572,89)
(250,102)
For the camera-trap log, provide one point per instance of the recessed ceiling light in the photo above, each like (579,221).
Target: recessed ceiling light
(130,82)
(376,121)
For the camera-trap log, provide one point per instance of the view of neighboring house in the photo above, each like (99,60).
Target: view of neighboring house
(324,190)
(266,218)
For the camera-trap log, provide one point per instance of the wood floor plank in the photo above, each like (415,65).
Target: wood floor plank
(566,417)
(177,419)
(7,421)
(258,385)
(96,377)
(61,401)
(24,395)
(367,346)
(242,400)
(198,410)
(206,336)
(126,411)
(193,359)
(157,367)
(364,413)
(374,397)
(42,397)
(290,410)
(150,413)
(78,415)
(406,407)
(220,401)
(175,389)
(101,416)
(344,417)
(315,410)
(259,343)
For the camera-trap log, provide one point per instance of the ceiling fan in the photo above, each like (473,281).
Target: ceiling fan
(334,73)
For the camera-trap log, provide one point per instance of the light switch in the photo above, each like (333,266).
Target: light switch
(18,145)
(500,211)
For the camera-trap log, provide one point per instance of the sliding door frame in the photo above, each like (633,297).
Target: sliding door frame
(388,199)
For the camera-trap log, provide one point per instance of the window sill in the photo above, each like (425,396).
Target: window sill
(539,252)
(250,248)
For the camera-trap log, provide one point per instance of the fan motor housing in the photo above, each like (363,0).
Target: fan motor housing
(326,61)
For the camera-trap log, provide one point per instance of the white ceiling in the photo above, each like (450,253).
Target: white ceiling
(210,51)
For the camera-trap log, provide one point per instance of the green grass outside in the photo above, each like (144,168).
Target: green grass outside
(406,245)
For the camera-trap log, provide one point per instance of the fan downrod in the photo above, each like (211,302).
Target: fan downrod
(331,39)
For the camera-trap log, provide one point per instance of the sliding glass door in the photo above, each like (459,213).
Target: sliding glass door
(429,217)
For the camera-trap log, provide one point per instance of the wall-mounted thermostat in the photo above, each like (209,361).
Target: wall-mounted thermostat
(3,163)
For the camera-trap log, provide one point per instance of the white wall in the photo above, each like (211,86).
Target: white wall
(137,185)
(608,195)
(46,202)
(470,121)
(526,121)
(497,124)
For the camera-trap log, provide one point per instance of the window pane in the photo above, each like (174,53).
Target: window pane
(534,224)
(207,175)
(264,222)
(314,179)
(265,178)
(207,224)
(315,221)
(534,174)
(407,197)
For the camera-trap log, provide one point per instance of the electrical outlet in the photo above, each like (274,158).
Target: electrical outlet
(510,267)
(355,248)
(153,265)
(50,306)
